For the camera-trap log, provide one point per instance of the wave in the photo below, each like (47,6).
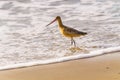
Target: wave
(57,60)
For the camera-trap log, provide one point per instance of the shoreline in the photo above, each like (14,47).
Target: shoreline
(63,59)
(104,67)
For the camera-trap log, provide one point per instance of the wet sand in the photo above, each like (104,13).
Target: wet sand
(105,67)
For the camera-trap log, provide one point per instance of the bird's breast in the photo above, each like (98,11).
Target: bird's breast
(61,31)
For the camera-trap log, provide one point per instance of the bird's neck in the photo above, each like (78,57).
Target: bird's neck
(60,23)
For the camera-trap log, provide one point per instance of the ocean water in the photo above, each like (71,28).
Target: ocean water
(25,41)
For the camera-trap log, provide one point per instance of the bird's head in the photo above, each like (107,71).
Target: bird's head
(57,18)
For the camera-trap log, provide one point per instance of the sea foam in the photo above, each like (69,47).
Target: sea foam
(68,58)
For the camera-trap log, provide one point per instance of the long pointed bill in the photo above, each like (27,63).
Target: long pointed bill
(51,22)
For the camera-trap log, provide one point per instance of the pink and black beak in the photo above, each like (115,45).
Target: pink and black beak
(51,22)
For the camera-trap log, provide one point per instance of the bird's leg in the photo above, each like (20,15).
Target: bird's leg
(73,42)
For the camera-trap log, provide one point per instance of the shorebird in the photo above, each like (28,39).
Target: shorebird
(68,31)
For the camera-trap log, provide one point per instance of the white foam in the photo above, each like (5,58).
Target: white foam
(68,58)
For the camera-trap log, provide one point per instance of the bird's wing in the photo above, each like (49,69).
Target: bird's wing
(72,31)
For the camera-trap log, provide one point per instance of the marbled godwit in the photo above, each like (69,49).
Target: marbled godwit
(67,31)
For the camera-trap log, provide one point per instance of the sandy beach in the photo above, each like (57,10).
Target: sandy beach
(26,40)
(105,67)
